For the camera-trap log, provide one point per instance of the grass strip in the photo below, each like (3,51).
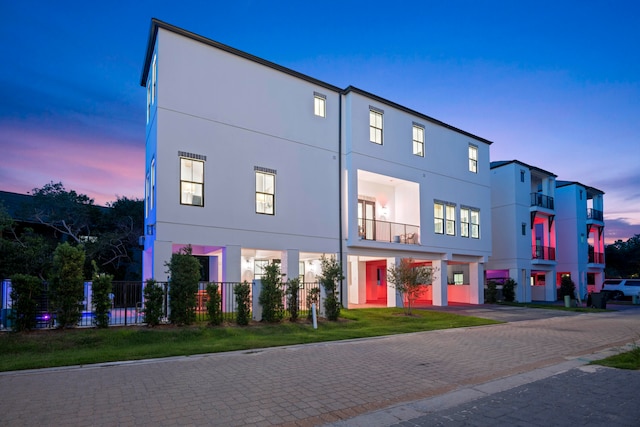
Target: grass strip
(53,348)
(627,360)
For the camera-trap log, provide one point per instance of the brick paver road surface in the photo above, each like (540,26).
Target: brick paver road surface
(308,384)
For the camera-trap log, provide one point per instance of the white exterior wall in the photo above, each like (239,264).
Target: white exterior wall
(241,114)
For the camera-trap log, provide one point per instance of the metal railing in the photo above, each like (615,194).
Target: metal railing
(539,199)
(386,231)
(595,257)
(595,214)
(543,252)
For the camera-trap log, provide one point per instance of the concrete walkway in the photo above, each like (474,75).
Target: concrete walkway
(349,383)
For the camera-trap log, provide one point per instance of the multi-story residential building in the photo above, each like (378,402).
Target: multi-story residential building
(248,161)
(544,229)
(524,229)
(580,231)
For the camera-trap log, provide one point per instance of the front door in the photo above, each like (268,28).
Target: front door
(377,282)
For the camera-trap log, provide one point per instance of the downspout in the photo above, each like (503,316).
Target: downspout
(341,255)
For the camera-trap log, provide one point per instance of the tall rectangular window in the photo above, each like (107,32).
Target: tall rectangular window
(265,192)
(475,224)
(154,79)
(258,268)
(152,197)
(319,104)
(148,99)
(418,140)
(464,222)
(147,190)
(191,182)
(375,126)
(521,176)
(450,213)
(438,217)
(473,158)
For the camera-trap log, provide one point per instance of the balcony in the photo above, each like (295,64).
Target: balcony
(595,214)
(386,231)
(540,200)
(543,253)
(595,257)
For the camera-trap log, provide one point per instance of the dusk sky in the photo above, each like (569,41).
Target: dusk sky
(554,84)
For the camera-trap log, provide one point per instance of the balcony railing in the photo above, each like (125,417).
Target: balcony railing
(386,231)
(595,257)
(595,214)
(539,199)
(543,252)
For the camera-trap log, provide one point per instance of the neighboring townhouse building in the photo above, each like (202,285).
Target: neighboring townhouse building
(523,212)
(580,232)
(248,161)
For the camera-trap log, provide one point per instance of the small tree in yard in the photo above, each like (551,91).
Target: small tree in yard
(214,304)
(25,293)
(67,286)
(293,292)
(313,297)
(329,279)
(242,291)
(509,290)
(272,293)
(184,269)
(567,287)
(101,288)
(153,296)
(409,280)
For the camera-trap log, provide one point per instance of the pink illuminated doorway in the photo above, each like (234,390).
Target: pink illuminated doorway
(376,282)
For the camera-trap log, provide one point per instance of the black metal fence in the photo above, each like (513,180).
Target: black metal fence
(127,304)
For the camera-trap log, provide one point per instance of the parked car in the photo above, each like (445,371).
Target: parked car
(620,288)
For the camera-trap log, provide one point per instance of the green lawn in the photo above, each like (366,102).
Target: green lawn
(42,349)
(627,360)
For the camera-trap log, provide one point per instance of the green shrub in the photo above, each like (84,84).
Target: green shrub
(242,292)
(567,287)
(313,297)
(272,293)
(509,290)
(184,269)
(214,304)
(101,289)
(153,302)
(25,294)
(67,286)
(491,293)
(330,279)
(293,292)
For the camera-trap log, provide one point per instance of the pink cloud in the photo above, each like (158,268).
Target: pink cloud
(98,166)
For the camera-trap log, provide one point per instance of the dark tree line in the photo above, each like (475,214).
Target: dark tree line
(623,258)
(30,233)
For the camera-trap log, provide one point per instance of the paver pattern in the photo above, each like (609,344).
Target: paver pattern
(307,384)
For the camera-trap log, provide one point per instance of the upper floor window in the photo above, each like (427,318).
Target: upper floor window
(191,182)
(473,158)
(475,224)
(450,213)
(152,196)
(265,191)
(154,79)
(148,99)
(375,126)
(464,222)
(319,104)
(438,217)
(521,175)
(418,140)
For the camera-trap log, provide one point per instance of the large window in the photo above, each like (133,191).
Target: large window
(418,140)
(191,182)
(475,224)
(265,192)
(258,268)
(450,213)
(319,104)
(464,222)
(438,217)
(375,126)
(473,158)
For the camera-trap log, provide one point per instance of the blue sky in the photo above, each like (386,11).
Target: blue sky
(555,84)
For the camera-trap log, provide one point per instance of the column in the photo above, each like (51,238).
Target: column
(439,286)
(476,283)
(231,263)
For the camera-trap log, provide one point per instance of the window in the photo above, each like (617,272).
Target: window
(265,191)
(147,191)
(301,271)
(475,224)
(152,196)
(450,213)
(258,268)
(319,104)
(524,228)
(154,79)
(438,217)
(458,278)
(191,182)
(375,126)
(473,158)
(418,140)
(521,176)
(464,222)
(148,99)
